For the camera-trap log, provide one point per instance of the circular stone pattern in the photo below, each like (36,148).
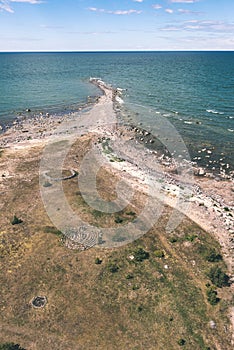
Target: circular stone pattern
(39,302)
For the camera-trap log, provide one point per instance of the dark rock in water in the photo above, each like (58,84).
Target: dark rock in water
(39,302)
(28,110)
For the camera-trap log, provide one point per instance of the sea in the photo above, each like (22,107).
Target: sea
(192,91)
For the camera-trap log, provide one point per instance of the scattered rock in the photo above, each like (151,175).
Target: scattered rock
(212,324)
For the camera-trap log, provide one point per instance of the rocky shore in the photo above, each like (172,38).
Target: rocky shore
(206,199)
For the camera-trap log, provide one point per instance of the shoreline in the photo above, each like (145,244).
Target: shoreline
(211,199)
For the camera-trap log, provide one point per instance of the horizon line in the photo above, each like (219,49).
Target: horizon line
(108,51)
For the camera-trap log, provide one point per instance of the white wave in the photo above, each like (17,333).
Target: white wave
(187,122)
(231,130)
(213,111)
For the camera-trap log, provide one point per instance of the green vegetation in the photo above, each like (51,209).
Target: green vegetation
(209,254)
(211,294)
(190,238)
(113,267)
(159,253)
(212,255)
(118,220)
(10,346)
(218,277)
(16,221)
(98,261)
(131,213)
(54,230)
(173,239)
(140,254)
(181,342)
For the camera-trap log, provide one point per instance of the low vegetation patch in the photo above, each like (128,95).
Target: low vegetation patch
(218,277)
(16,220)
(140,254)
(211,294)
(54,230)
(10,346)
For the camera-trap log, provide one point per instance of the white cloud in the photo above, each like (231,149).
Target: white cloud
(189,12)
(116,12)
(157,6)
(184,1)
(5,5)
(138,0)
(169,11)
(33,2)
(203,26)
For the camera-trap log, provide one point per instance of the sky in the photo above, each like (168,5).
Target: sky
(109,25)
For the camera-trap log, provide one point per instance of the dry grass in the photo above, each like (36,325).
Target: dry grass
(90,307)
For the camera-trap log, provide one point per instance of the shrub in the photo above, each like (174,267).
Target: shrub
(129,276)
(118,220)
(10,346)
(113,267)
(159,253)
(140,254)
(218,277)
(212,256)
(212,296)
(190,238)
(131,213)
(16,221)
(54,230)
(181,342)
(173,239)
(140,308)
(98,261)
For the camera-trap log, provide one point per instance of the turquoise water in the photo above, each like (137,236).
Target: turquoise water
(193,90)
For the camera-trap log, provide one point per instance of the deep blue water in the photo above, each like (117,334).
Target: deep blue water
(193,90)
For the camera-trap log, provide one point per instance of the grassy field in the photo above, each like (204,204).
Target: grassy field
(100,298)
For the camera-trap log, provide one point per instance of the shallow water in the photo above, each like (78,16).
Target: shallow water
(193,91)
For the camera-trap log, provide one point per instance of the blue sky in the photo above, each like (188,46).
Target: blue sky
(109,25)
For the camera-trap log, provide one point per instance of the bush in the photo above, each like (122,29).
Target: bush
(140,254)
(98,261)
(54,230)
(218,277)
(16,221)
(212,256)
(10,346)
(181,342)
(131,213)
(159,253)
(118,220)
(190,238)
(173,239)
(113,267)
(212,296)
